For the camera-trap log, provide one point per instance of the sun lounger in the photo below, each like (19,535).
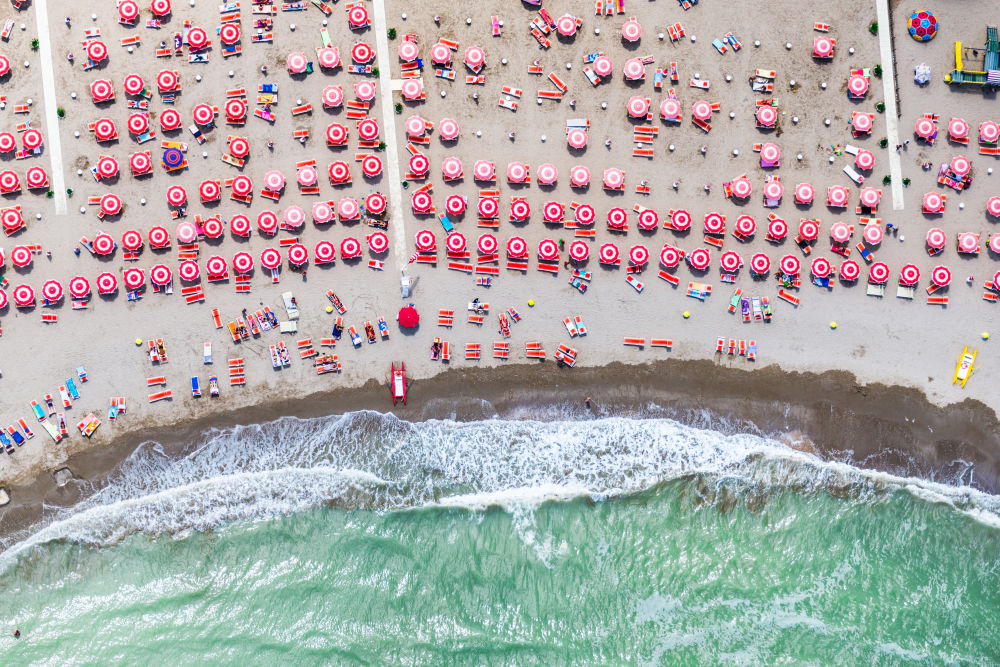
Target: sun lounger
(472,351)
(160,396)
(790,298)
(571,327)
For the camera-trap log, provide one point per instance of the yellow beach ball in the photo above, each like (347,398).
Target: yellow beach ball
(138,341)
(687,314)
(531,302)
(986,335)
(833,325)
(329,309)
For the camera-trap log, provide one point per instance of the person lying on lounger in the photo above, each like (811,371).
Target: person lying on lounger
(370,332)
(435,350)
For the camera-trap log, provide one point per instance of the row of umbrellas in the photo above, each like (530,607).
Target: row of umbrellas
(30,139)
(34,177)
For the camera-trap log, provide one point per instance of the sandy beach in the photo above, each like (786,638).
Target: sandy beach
(878,343)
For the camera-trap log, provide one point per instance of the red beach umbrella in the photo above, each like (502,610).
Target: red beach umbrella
(375,203)
(378,242)
(548,250)
(132,240)
(176,195)
(242,185)
(873,234)
(487,244)
(362,53)
(140,163)
(777,229)
(24,296)
(52,291)
(421,202)
(20,256)
(209,191)
(239,225)
(638,255)
(350,248)
(745,225)
(790,265)
(941,276)
(700,259)
(107,283)
(680,220)
(160,275)
(760,264)
(617,218)
(36,178)
(878,273)
(809,230)
(229,33)
(213,228)
(821,267)
(170,120)
(670,256)
(102,90)
(107,167)
(849,270)
(339,172)
(517,247)
(552,212)
(166,80)
(742,188)
(216,267)
(197,38)
(79,287)
(609,254)
(97,50)
(909,275)
(189,271)
(804,193)
(333,97)
(270,258)
(322,212)
(715,223)
(160,7)
(267,222)
(730,262)
(579,251)
(517,172)
(455,242)
(133,278)
(138,123)
(455,205)
(158,237)
(425,241)
(111,204)
(584,214)
(408,317)
(648,219)
(325,252)
(104,130)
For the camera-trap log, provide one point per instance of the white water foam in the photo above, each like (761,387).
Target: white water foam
(370,460)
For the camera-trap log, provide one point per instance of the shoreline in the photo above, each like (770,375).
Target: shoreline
(888,428)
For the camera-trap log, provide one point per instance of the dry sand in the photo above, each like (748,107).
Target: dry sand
(889,341)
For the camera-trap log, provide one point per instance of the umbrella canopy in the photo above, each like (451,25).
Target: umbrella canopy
(170,119)
(637,107)
(968,243)
(614,178)
(699,259)
(603,66)
(862,122)
(566,25)
(324,252)
(584,214)
(840,232)
(547,174)
(579,251)
(804,193)
(270,258)
(941,276)
(579,176)
(517,172)
(936,238)
(680,219)
(849,270)
(609,254)
(79,287)
(102,90)
(24,296)
(348,209)
(132,240)
(730,261)
(322,212)
(760,264)
(933,203)
(873,234)
(455,242)
(988,132)
(837,196)
(742,188)
(378,242)
(634,70)
(517,247)
(790,265)
(487,244)
(448,129)
(822,47)
(375,203)
(670,256)
(925,129)
(993,206)
(631,31)
(638,255)
(133,278)
(408,317)
(552,211)
(189,271)
(475,57)
(159,237)
(909,275)
(922,73)
(408,51)
(107,283)
(350,248)
(160,275)
(104,130)
(413,89)
(240,226)
(878,273)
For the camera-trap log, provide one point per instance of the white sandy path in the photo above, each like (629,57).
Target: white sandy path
(391,157)
(53,144)
(889,93)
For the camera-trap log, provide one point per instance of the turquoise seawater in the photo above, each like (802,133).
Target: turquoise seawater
(362,539)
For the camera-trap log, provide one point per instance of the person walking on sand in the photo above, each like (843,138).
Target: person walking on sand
(587,402)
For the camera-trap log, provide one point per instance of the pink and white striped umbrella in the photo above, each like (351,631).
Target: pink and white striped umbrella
(158,237)
(455,205)
(614,178)
(186,232)
(52,291)
(631,31)
(11,218)
(638,255)
(715,223)
(451,168)
(456,243)
(322,212)
(968,242)
(961,165)
(609,254)
(603,66)
(104,129)
(517,172)
(371,166)
(552,211)
(483,170)
(203,114)
(936,238)
(821,267)
(519,209)
(160,275)
(239,225)
(132,240)
(864,160)
(236,110)
(475,57)
(298,254)
(993,206)
(107,166)
(840,232)
(822,47)
(809,229)
(243,186)
(448,129)
(790,265)
(849,270)
(270,258)
(670,109)
(348,209)
(440,54)
(189,271)
(324,253)
(229,33)
(878,273)
(873,234)
(584,214)
(31,139)
(730,262)
(777,229)
(487,244)
(213,228)
(933,203)
(547,174)
(488,207)
(419,164)
(958,128)
(128,10)
(24,296)
(357,16)
(742,188)
(296,62)
(375,203)
(138,123)
(209,191)
(4,65)
(378,242)
(680,219)
(167,80)
(617,218)
(746,225)
(770,155)
(701,110)
(699,259)
(858,85)
(426,241)
(767,116)
(804,193)
(638,107)
(408,51)
(760,264)
(870,197)
(634,70)
(773,191)
(333,97)
(421,202)
(566,25)
(36,177)
(648,219)
(670,256)
(940,276)
(79,287)
(909,275)
(339,172)
(140,163)
(862,122)
(579,251)
(267,222)
(243,262)
(176,195)
(368,129)
(160,7)
(111,204)
(413,89)
(517,248)
(170,120)
(20,256)
(989,132)
(837,196)
(197,38)
(97,50)
(102,90)
(364,90)
(294,217)
(579,176)
(7,142)
(107,283)
(925,128)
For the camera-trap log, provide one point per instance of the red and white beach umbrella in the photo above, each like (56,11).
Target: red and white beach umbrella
(670,256)
(925,128)
(840,232)
(777,229)
(364,90)
(197,38)
(940,276)
(455,242)
(760,264)
(603,66)
(448,129)
(475,57)
(322,212)
(933,202)
(968,242)
(487,244)
(821,267)
(566,25)
(270,258)
(634,70)
(638,107)
(324,252)
(4,65)
(158,237)
(870,197)
(408,51)
(517,172)
(638,255)
(36,177)
(236,110)
(858,85)
(421,202)
(730,262)
(31,139)
(809,229)
(189,271)
(822,47)
(631,31)
(579,176)
(441,54)
(425,241)
(670,109)
(849,270)
(111,204)
(584,214)
(804,193)
(715,223)
(614,178)
(176,195)
(773,191)
(742,188)
(837,195)
(552,211)
(107,283)
(239,225)
(329,57)
(186,232)
(3,299)
(97,50)
(209,191)
(576,138)
(680,220)
(107,166)
(362,53)
(160,7)
(104,130)
(451,168)
(648,219)
(519,209)
(547,174)
(767,116)
(617,218)
(339,172)
(701,110)
(378,242)
(579,251)
(609,253)
(298,254)
(958,128)
(132,240)
(357,16)
(79,287)
(160,275)
(333,97)
(52,291)
(242,185)
(102,90)
(746,226)
(864,160)
(413,89)
(348,209)
(24,296)
(7,142)
(213,228)
(878,273)
(989,132)
(371,166)
(517,247)
(375,203)
(416,126)
(909,275)
(699,259)
(11,219)
(138,123)
(229,33)
(483,170)
(170,120)
(862,122)
(455,205)
(216,267)
(203,114)
(790,265)
(961,165)
(166,80)
(350,248)
(419,164)
(267,222)
(368,129)
(20,256)
(936,238)
(993,206)
(873,234)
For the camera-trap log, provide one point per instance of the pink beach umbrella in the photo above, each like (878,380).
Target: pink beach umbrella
(770,156)
(804,193)
(773,192)
(670,256)
(715,223)
(333,97)
(4,65)
(925,129)
(603,66)
(864,160)
(961,165)
(670,109)
(378,242)
(448,129)
(993,206)
(767,116)
(648,219)
(296,62)
(746,226)
(375,203)
(958,128)
(777,229)
(324,252)
(421,202)
(20,256)
(270,258)
(240,226)
(566,25)
(456,243)
(790,265)
(519,209)
(24,296)
(579,251)
(441,54)
(329,57)
(322,212)
(294,217)
(579,176)
(933,203)
(634,69)
(857,85)
(700,259)
(821,267)
(487,244)
(371,166)
(840,232)
(614,178)
(425,241)
(873,234)
(742,188)
(609,254)
(132,240)
(617,218)
(760,264)
(701,110)
(274,181)
(547,174)
(638,107)
(475,57)
(631,31)
(941,276)
(408,51)
(364,90)
(837,196)
(160,275)
(517,172)
(553,211)
(189,271)
(936,238)
(994,246)
(158,237)
(968,243)
(822,47)
(870,197)
(197,38)
(989,132)
(348,209)
(186,232)
(878,273)
(413,90)
(861,122)
(484,170)
(451,168)
(909,275)
(849,270)
(416,126)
